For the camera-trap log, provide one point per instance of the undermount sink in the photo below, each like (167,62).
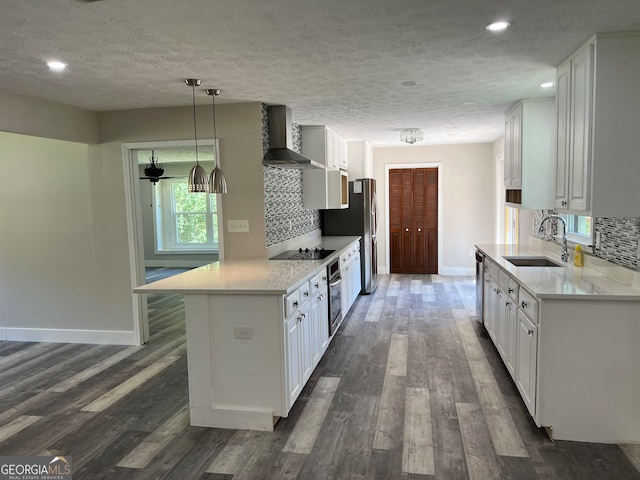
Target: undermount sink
(532,262)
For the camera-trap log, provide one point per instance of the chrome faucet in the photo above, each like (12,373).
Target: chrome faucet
(565,253)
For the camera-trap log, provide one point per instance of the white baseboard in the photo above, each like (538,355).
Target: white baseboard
(455,271)
(176,263)
(101,337)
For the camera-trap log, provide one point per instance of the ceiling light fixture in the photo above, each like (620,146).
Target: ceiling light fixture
(547,84)
(56,66)
(498,26)
(197,176)
(411,135)
(217,182)
(409,83)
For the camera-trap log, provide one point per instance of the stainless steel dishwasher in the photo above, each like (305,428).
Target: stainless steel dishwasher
(479,284)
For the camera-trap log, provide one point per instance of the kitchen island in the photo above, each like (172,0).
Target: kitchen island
(569,336)
(256,328)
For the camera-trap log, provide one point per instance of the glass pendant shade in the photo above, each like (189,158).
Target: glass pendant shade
(198,182)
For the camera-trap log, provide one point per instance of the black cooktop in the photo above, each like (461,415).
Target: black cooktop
(304,254)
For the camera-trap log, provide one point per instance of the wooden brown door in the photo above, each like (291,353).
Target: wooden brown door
(413,220)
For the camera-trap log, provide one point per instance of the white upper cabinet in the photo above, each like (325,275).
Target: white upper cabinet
(529,149)
(598,113)
(325,188)
(323,145)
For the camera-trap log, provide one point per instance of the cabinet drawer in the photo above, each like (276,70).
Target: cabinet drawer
(317,282)
(291,303)
(295,299)
(511,288)
(528,305)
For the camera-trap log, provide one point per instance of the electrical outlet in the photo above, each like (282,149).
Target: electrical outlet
(237,226)
(471,252)
(243,332)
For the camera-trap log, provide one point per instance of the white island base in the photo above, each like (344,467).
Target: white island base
(236,382)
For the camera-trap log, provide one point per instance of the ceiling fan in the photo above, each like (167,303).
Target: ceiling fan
(153,170)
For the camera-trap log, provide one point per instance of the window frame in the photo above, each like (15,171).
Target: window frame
(574,237)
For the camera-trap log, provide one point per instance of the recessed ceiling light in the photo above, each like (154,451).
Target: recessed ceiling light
(547,84)
(410,83)
(498,26)
(56,66)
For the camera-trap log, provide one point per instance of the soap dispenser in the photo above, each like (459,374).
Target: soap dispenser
(578,257)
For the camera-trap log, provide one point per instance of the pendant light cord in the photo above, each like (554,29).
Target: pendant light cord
(215,133)
(195,127)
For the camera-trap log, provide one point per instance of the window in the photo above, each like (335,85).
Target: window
(185,222)
(579,228)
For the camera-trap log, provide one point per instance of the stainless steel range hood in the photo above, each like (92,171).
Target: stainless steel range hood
(281,153)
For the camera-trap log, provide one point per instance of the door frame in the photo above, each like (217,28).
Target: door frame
(396,166)
(134,227)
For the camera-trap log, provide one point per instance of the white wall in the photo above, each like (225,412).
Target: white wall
(468,198)
(33,116)
(57,279)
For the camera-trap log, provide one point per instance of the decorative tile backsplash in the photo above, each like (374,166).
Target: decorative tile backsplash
(285,215)
(618,237)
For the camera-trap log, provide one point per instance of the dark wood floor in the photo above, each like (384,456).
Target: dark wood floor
(409,388)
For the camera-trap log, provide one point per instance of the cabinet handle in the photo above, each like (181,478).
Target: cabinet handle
(304,315)
(564,203)
(296,303)
(498,291)
(406,229)
(317,285)
(324,277)
(306,293)
(510,290)
(530,332)
(523,304)
(507,303)
(299,318)
(419,229)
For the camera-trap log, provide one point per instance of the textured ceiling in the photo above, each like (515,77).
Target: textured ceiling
(335,62)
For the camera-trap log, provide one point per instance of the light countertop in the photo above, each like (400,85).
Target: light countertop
(597,280)
(249,276)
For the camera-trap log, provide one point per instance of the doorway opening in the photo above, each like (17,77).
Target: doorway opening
(152,243)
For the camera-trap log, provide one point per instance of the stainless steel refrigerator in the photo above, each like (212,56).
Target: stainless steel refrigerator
(361,218)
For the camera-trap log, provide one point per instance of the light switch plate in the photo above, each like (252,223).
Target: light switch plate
(237,226)
(243,332)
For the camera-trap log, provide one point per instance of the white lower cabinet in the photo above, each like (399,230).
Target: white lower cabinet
(513,333)
(318,318)
(351,280)
(294,365)
(527,360)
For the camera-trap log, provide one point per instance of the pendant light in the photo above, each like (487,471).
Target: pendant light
(197,175)
(217,182)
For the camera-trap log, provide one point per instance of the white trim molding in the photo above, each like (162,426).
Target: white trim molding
(394,166)
(57,335)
